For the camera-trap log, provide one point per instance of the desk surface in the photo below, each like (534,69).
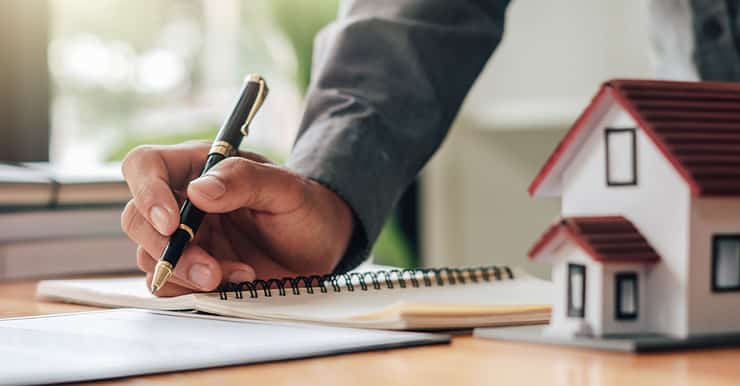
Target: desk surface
(465,361)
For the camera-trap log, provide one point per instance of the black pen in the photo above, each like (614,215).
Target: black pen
(227,142)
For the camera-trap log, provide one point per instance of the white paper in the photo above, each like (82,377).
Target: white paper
(116,343)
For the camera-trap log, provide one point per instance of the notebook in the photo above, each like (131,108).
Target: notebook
(418,299)
(115,343)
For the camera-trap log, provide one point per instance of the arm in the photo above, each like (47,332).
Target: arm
(389,77)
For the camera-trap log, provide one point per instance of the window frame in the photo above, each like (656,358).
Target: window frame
(619,313)
(573,312)
(24,102)
(633,132)
(716,239)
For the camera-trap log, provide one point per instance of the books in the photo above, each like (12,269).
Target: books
(57,242)
(386,299)
(67,256)
(108,344)
(44,185)
(56,224)
(59,221)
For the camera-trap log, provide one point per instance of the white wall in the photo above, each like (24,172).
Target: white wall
(611,325)
(658,206)
(552,59)
(600,296)
(708,311)
(476,206)
(560,322)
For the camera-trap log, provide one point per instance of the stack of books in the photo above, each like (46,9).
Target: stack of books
(57,222)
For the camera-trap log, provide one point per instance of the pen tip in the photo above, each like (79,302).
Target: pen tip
(162,273)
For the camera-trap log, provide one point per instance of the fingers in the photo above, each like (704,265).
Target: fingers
(138,229)
(169,289)
(146,263)
(237,272)
(242,183)
(151,173)
(233,271)
(255,157)
(196,269)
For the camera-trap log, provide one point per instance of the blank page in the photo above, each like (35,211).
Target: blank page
(115,343)
(111,292)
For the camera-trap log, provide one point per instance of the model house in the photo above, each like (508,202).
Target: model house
(649,240)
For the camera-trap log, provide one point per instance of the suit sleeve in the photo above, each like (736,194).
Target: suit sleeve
(388,78)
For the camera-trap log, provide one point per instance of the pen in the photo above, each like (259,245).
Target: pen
(229,137)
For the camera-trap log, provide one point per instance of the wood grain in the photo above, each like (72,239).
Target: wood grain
(466,361)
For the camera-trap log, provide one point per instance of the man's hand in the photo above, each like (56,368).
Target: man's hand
(263,221)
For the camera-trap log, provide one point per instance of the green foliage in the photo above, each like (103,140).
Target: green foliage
(125,146)
(129,143)
(300,21)
(392,247)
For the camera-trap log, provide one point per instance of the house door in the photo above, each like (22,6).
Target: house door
(576,290)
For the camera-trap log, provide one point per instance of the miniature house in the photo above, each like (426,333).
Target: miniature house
(649,239)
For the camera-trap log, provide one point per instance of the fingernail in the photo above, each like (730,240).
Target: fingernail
(240,276)
(160,219)
(200,275)
(209,186)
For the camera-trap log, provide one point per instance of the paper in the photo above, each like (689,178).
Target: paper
(106,344)
(112,292)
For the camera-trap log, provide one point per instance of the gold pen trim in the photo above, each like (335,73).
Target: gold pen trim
(261,95)
(188,229)
(253,78)
(222,147)
(162,273)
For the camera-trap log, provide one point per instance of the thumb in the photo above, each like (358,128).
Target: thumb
(241,183)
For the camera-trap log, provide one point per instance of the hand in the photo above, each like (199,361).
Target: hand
(264,221)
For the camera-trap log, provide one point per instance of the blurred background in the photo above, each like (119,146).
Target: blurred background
(85,81)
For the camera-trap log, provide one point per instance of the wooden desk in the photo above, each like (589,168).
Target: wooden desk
(467,361)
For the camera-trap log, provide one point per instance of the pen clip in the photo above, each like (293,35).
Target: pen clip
(261,95)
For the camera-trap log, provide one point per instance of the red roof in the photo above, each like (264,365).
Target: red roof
(604,238)
(695,125)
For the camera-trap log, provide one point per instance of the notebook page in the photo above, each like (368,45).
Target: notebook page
(357,307)
(124,292)
(116,343)
(111,292)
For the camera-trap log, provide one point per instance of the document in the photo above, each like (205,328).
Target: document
(115,343)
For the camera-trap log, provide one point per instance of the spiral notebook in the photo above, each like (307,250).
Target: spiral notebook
(415,299)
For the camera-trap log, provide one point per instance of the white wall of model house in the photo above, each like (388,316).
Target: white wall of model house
(610,323)
(711,312)
(658,206)
(600,294)
(560,323)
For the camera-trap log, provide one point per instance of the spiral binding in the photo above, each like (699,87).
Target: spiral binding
(365,281)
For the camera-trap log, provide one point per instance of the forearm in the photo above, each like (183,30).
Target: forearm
(389,78)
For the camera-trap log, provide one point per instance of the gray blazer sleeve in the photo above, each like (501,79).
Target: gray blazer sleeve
(388,79)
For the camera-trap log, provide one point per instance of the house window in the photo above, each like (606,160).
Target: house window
(726,263)
(621,157)
(576,290)
(626,295)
